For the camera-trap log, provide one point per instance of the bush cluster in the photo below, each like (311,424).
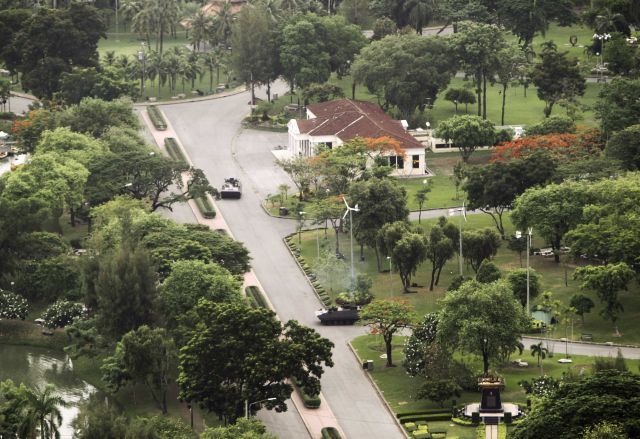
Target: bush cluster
(330,433)
(309,401)
(256,298)
(317,286)
(13,306)
(62,313)
(156,118)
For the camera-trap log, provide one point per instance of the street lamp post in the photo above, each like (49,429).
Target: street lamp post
(350,211)
(300,225)
(463,214)
(518,236)
(141,58)
(390,280)
(247,406)
(600,67)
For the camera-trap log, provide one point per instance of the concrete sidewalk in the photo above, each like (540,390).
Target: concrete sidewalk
(314,419)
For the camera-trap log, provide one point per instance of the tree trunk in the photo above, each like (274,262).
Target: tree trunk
(438,275)
(433,277)
(387,341)
(361,252)
(269,91)
(485,362)
(548,108)
(479,91)
(484,95)
(337,241)
(375,249)
(504,100)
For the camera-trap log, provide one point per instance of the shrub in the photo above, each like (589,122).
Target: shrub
(421,412)
(156,118)
(330,433)
(13,306)
(7,115)
(309,401)
(431,417)
(174,150)
(256,296)
(205,207)
(410,426)
(62,313)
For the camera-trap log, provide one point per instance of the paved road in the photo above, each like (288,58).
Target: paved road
(600,350)
(210,131)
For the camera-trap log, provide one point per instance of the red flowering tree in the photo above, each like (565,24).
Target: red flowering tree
(562,147)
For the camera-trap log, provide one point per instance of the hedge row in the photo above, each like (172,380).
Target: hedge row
(309,401)
(206,208)
(330,433)
(427,417)
(320,291)
(423,412)
(156,118)
(174,150)
(256,299)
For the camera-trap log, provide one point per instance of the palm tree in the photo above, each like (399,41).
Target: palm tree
(109,58)
(172,63)
(143,23)
(272,8)
(419,13)
(129,9)
(201,26)
(154,65)
(192,68)
(609,21)
(223,23)
(45,406)
(211,60)
(541,352)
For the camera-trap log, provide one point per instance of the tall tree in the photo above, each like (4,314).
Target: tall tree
(525,19)
(467,133)
(625,146)
(557,77)
(145,356)
(477,45)
(45,406)
(440,249)
(407,254)
(618,105)
(405,70)
(478,245)
(517,278)
(386,317)
(484,319)
(606,281)
(260,354)
(508,68)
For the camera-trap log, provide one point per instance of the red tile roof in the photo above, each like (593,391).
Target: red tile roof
(347,119)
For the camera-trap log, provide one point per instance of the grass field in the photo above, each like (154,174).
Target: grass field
(387,284)
(400,389)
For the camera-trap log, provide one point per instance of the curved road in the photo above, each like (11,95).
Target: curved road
(212,135)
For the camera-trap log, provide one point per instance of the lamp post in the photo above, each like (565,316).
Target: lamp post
(141,58)
(350,211)
(463,214)
(247,406)
(389,259)
(518,236)
(600,67)
(300,225)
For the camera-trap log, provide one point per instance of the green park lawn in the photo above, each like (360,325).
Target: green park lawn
(387,284)
(400,389)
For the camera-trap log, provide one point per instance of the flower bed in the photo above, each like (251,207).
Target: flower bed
(174,150)
(156,118)
(206,208)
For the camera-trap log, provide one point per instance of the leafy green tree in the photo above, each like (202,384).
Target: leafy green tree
(552,210)
(621,56)
(526,19)
(386,317)
(605,430)
(242,429)
(478,245)
(518,245)
(95,117)
(482,319)
(343,42)
(476,46)
(407,254)
(625,147)
(50,42)
(329,209)
(488,272)
(466,133)
(618,105)
(120,289)
(260,353)
(301,172)
(383,27)
(440,250)
(62,313)
(46,279)
(146,356)
(80,147)
(557,77)
(552,125)
(606,281)
(508,67)
(582,305)
(321,93)
(460,96)
(577,405)
(518,280)
(191,280)
(405,71)
(303,56)
(440,390)
(380,201)
(97,420)
(421,197)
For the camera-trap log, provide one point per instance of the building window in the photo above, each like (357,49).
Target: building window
(329,145)
(415,160)
(396,161)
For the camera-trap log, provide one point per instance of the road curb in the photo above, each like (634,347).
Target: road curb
(586,343)
(378,392)
(235,91)
(284,241)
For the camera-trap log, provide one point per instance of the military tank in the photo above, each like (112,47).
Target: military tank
(337,316)
(231,188)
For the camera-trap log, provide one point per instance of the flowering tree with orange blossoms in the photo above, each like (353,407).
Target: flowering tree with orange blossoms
(562,147)
(385,145)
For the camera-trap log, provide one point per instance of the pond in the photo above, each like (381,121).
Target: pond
(37,367)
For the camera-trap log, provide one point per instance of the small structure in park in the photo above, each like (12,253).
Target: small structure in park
(490,388)
(335,122)
(491,409)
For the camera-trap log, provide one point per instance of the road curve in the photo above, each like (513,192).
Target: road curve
(212,135)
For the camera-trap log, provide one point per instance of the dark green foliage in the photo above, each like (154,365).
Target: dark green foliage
(260,354)
(205,207)
(310,400)
(13,306)
(241,429)
(552,125)
(156,118)
(518,280)
(96,117)
(478,245)
(618,105)
(330,433)
(488,272)
(608,363)
(62,313)
(624,146)
(607,395)
(47,279)
(106,83)
(96,420)
(256,298)
(460,96)
(582,304)
(174,150)
(440,390)
(40,245)
(457,281)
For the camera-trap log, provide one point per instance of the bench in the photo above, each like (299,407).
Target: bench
(586,336)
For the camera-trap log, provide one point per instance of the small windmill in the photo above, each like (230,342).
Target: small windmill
(350,211)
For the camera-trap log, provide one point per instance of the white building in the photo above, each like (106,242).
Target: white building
(336,122)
